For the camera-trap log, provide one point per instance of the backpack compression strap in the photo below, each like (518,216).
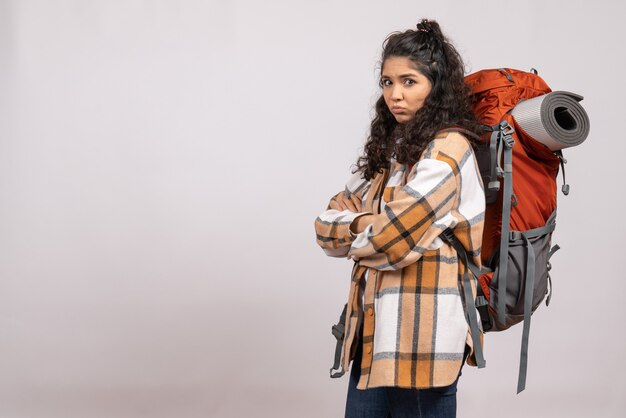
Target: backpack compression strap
(528,290)
(528,306)
(505,132)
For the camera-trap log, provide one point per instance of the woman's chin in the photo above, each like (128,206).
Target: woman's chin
(402,118)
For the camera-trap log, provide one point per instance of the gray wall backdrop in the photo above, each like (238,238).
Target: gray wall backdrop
(161,165)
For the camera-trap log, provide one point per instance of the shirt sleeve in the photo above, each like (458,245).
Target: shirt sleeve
(332,227)
(420,211)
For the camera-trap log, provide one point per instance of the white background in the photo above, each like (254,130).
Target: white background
(161,165)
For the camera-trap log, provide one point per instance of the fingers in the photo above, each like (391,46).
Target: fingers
(341,202)
(352,203)
(336,202)
(334,205)
(349,204)
(357,203)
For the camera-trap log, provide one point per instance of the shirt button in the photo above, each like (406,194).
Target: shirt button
(370,311)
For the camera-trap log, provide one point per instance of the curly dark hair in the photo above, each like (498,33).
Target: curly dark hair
(449,103)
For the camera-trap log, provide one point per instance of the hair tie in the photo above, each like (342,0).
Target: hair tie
(424,26)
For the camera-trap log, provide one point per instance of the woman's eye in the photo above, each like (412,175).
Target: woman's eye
(385,83)
(409,82)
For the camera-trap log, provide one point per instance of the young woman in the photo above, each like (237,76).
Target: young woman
(406,327)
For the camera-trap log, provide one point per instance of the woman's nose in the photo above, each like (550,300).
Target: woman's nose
(396,92)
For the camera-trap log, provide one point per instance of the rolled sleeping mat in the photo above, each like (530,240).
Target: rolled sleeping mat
(555,119)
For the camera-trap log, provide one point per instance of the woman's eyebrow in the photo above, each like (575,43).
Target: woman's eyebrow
(401,75)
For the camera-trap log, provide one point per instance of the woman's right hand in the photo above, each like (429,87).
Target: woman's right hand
(342,202)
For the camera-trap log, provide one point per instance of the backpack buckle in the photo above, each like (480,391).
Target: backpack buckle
(506,134)
(495,185)
(338,331)
(448,235)
(506,128)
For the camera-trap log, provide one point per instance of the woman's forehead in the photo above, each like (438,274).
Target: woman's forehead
(398,65)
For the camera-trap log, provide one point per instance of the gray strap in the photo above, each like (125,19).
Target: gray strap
(495,162)
(528,306)
(532,233)
(473,267)
(338,332)
(499,151)
(554,249)
(549,227)
(448,236)
(506,137)
(549,297)
(506,74)
(470,305)
(473,320)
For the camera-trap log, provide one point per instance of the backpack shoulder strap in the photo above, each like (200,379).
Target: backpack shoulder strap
(470,305)
(339,332)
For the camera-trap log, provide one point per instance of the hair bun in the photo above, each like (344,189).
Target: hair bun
(423,27)
(430,27)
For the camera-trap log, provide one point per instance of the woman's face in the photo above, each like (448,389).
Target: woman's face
(404,88)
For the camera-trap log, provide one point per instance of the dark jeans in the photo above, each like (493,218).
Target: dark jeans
(385,402)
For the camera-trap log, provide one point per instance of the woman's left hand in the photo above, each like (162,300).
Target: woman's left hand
(342,202)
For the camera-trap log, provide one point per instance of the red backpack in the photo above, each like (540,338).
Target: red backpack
(519,174)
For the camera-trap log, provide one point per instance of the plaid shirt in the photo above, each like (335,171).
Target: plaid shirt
(405,288)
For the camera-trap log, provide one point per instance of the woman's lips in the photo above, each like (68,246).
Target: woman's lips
(398,110)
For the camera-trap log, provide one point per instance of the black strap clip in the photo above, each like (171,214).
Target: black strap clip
(338,332)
